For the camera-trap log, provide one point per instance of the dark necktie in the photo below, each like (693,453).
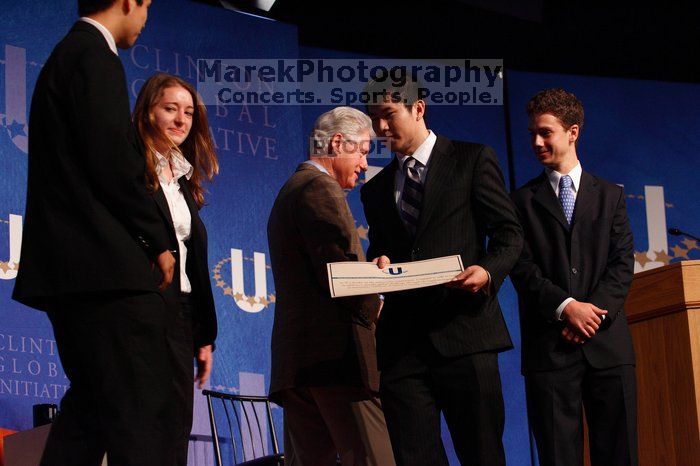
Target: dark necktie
(411,196)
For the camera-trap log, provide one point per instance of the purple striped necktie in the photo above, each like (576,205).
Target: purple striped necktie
(411,196)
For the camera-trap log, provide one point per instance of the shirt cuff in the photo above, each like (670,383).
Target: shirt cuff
(487,288)
(561,307)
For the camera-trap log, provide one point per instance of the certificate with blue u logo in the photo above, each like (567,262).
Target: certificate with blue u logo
(357,278)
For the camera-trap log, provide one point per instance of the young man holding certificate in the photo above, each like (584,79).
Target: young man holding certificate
(438,346)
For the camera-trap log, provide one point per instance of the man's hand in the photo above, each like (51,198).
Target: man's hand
(473,278)
(571,337)
(381,262)
(205,359)
(166,264)
(583,318)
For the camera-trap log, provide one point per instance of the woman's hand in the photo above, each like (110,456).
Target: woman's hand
(205,358)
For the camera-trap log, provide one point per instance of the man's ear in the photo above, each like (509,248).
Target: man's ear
(419,109)
(335,144)
(573,133)
(126,6)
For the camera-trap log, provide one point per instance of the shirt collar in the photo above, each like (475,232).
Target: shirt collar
(105,32)
(178,164)
(422,154)
(317,165)
(575,174)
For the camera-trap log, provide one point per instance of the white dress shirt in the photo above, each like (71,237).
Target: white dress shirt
(180,213)
(105,32)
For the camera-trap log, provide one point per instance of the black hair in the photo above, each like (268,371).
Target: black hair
(89,7)
(395,84)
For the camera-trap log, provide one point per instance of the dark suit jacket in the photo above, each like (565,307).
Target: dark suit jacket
(592,261)
(464,202)
(317,340)
(197,269)
(89,219)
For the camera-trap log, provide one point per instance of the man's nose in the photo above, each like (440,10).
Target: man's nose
(381,125)
(363,163)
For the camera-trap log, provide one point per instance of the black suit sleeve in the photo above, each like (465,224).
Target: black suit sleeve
(326,224)
(108,152)
(611,290)
(373,250)
(494,210)
(529,281)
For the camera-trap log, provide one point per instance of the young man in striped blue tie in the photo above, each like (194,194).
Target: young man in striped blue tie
(572,278)
(438,347)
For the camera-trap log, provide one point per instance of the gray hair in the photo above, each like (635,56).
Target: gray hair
(344,120)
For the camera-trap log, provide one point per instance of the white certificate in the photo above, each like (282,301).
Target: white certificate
(356,278)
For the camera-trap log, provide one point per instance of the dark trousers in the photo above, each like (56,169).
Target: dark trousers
(322,423)
(125,358)
(556,400)
(466,389)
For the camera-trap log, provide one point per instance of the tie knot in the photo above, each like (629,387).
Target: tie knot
(410,167)
(565,182)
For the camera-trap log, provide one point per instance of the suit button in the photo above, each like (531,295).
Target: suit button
(574,270)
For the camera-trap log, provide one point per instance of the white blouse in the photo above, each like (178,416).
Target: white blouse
(180,213)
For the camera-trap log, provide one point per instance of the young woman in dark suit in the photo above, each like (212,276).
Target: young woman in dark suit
(172,124)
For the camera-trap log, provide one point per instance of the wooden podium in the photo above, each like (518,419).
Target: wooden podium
(663,310)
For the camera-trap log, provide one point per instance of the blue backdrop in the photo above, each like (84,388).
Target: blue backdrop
(640,134)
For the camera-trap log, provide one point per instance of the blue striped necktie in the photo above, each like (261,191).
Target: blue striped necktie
(411,196)
(566,197)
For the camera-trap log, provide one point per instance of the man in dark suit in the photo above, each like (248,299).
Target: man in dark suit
(324,369)
(91,237)
(438,346)
(572,279)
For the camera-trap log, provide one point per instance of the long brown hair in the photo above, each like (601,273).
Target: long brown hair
(198,148)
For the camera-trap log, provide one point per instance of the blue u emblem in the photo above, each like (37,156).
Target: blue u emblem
(397,271)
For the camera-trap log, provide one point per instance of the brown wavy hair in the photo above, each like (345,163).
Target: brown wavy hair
(198,148)
(558,102)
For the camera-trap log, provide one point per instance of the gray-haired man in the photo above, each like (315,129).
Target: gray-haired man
(324,369)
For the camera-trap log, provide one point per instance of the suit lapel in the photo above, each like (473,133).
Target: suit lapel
(189,198)
(441,166)
(196,230)
(586,197)
(544,195)
(162,203)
